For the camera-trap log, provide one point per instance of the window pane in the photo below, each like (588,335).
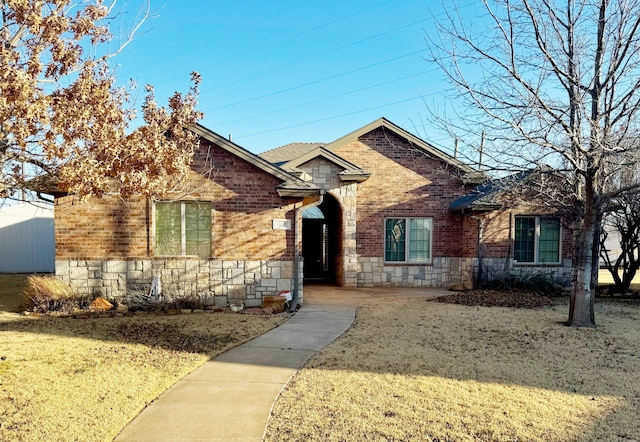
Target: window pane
(168,229)
(198,229)
(523,249)
(549,241)
(394,245)
(420,240)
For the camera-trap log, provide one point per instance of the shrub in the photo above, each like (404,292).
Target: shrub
(45,294)
(139,298)
(537,281)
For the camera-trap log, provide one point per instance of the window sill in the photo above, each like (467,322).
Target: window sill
(398,263)
(537,264)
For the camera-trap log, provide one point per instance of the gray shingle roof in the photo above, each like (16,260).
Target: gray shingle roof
(486,197)
(288,152)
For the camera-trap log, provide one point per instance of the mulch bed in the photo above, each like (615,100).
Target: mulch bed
(495,298)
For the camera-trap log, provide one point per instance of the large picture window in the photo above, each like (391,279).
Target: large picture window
(537,240)
(408,240)
(183,228)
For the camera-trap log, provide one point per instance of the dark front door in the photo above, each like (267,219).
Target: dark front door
(314,249)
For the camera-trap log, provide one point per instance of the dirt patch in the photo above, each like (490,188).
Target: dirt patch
(495,298)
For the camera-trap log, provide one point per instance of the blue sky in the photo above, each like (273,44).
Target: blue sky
(292,70)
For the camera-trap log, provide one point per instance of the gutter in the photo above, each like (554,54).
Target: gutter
(298,240)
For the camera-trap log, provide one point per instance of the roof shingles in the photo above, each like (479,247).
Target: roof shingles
(288,152)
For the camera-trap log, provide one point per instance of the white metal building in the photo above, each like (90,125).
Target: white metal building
(27,239)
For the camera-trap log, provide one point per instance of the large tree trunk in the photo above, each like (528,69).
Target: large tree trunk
(581,312)
(586,243)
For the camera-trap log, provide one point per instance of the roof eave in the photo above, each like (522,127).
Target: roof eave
(477,177)
(485,207)
(351,177)
(288,192)
(48,184)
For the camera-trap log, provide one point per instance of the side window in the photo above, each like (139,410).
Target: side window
(537,239)
(183,228)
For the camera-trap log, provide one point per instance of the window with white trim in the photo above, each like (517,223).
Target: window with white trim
(537,240)
(408,240)
(183,228)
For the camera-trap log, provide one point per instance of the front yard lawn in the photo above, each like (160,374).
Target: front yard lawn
(85,379)
(422,370)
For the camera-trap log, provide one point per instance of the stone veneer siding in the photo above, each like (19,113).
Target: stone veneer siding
(212,282)
(373,272)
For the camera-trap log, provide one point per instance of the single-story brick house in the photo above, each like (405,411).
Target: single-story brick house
(377,207)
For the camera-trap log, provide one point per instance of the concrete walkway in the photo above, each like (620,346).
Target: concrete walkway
(230,397)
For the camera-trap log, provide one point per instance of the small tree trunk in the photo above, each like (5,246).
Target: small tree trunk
(628,274)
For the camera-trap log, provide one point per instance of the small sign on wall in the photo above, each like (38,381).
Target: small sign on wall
(281,224)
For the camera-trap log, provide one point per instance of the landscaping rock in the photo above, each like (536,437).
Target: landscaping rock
(276,303)
(100,305)
(119,315)
(254,311)
(198,310)
(121,308)
(268,311)
(215,309)
(185,311)
(173,311)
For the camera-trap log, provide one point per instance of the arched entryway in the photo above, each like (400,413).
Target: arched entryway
(322,241)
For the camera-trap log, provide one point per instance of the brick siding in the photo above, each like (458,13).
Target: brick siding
(244,203)
(404,182)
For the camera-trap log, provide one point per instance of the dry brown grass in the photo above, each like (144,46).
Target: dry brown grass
(416,370)
(85,379)
(44,293)
(11,287)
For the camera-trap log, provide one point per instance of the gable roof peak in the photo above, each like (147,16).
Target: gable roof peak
(421,144)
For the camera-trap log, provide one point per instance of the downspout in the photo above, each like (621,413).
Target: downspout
(479,252)
(296,253)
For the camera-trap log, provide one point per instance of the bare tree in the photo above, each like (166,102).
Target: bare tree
(557,84)
(622,221)
(61,112)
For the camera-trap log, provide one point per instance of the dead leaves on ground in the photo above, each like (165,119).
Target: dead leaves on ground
(495,298)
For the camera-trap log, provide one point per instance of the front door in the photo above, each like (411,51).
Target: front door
(314,249)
